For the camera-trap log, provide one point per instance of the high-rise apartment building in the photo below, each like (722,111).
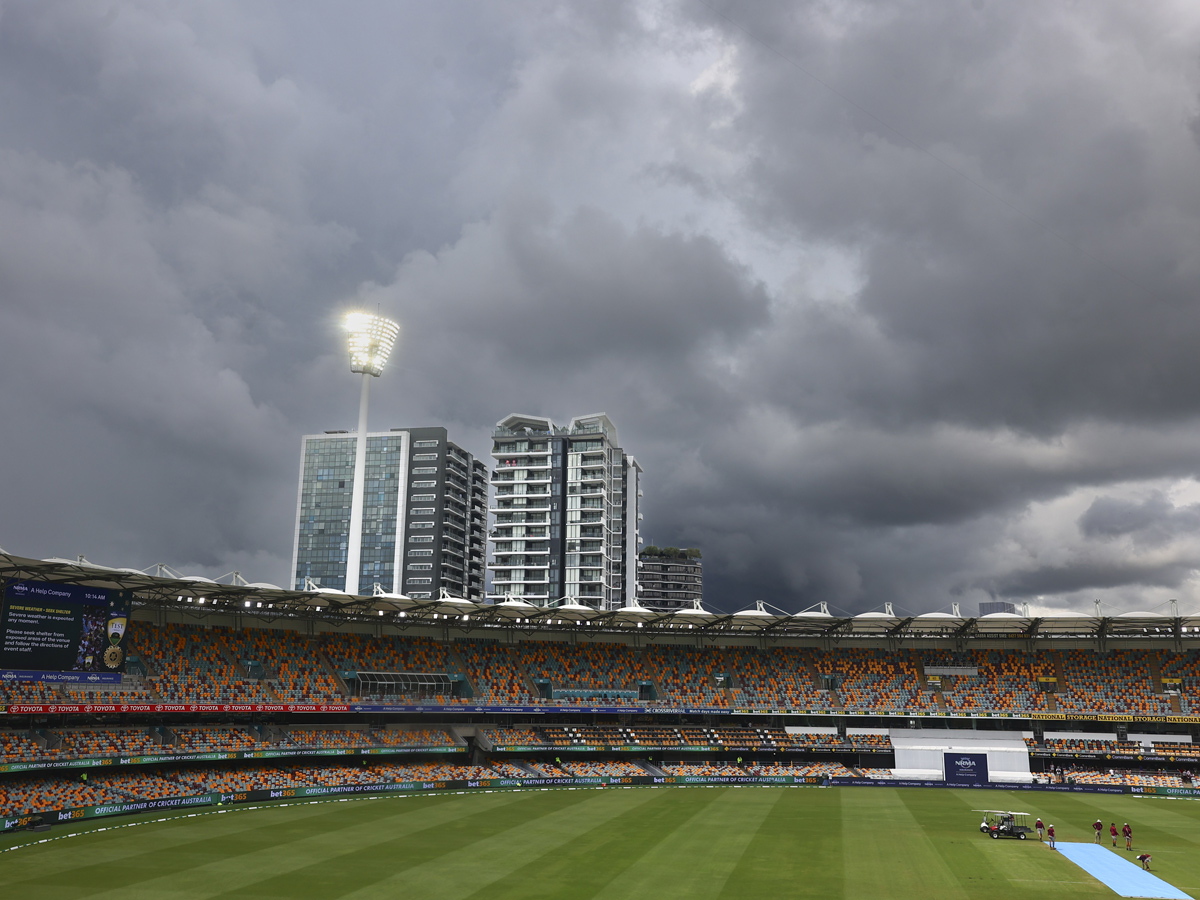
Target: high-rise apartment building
(670,578)
(565,501)
(424,517)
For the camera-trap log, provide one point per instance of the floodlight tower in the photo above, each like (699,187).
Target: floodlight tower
(371,339)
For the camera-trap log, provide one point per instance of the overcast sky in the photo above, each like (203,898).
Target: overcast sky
(894,301)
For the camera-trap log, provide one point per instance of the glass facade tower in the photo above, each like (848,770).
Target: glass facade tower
(424,514)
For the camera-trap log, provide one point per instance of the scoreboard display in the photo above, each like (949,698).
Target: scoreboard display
(51,627)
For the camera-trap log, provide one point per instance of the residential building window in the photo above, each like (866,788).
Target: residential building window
(420,539)
(420,553)
(425,443)
(424,484)
(425,470)
(424,457)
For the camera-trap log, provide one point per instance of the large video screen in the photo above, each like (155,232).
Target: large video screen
(62,628)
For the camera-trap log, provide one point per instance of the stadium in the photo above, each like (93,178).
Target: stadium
(317,744)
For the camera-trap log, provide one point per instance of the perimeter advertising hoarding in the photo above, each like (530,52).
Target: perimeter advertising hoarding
(117,809)
(47,627)
(154,759)
(97,708)
(35,708)
(85,678)
(994,785)
(966,768)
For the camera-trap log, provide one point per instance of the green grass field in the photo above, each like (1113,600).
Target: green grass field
(747,842)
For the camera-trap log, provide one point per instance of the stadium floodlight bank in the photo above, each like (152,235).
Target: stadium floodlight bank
(370,340)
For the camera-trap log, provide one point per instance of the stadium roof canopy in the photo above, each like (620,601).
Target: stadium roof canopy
(199,596)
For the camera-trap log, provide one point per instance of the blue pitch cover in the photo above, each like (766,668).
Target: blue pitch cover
(1127,878)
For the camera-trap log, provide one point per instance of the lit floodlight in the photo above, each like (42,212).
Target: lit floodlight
(371,339)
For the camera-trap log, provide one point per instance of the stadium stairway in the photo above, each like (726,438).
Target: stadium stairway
(919,668)
(1059,670)
(461,666)
(836,702)
(530,687)
(266,682)
(1155,664)
(650,768)
(149,681)
(332,672)
(814,677)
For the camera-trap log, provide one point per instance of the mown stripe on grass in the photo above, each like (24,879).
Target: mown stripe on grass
(696,859)
(122,854)
(796,852)
(885,852)
(461,871)
(593,859)
(245,864)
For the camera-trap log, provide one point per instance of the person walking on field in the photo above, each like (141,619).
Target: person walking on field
(1050,835)
(1041,829)
(1128,832)
(1098,827)
(1112,830)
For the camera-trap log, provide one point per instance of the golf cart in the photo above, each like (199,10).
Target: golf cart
(998,823)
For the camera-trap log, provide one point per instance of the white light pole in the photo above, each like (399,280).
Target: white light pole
(371,339)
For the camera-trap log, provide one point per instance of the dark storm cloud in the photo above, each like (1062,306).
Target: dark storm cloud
(970,312)
(584,291)
(1097,576)
(893,302)
(1151,521)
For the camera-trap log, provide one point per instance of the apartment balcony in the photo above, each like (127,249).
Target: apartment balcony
(540,461)
(506,545)
(529,562)
(520,531)
(517,578)
(522,518)
(585,490)
(536,504)
(523,488)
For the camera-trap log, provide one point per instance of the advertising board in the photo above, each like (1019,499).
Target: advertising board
(966,768)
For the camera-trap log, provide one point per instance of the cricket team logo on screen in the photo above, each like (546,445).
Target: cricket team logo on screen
(116,630)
